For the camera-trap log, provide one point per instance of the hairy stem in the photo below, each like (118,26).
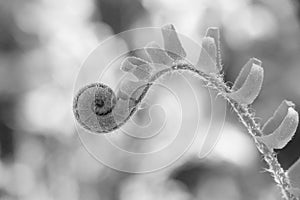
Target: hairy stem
(246,116)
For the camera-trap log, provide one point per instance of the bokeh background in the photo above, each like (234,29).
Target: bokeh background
(42,46)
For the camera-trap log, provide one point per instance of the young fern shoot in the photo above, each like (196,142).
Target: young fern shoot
(97,108)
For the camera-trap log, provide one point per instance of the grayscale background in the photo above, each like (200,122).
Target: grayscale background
(42,46)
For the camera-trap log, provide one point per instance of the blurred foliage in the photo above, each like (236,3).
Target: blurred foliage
(42,44)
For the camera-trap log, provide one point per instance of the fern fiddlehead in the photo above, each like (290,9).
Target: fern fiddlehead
(98,109)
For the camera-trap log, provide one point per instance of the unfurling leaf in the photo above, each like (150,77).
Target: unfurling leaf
(281,127)
(121,110)
(158,55)
(130,63)
(92,107)
(244,73)
(272,124)
(207,58)
(130,89)
(172,43)
(210,47)
(248,84)
(138,67)
(214,33)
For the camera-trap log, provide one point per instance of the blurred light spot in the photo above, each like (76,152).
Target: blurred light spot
(32,153)
(165,12)
(236,147)
(219,189)
(85,167)
(46,110)
(152,188)
(40,193)
(249,23)
(229,6)
(22,180)
(64,188)
(90,193)
(4,174)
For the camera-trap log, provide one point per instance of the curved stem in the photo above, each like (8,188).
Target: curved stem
(244,114)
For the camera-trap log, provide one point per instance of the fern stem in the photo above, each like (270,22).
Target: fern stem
(245,115)
(279,175)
